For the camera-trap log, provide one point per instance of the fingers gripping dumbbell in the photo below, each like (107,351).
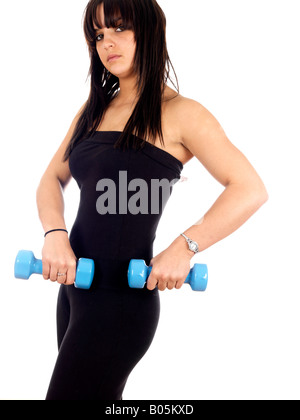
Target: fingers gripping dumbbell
(26,264)
(138,272)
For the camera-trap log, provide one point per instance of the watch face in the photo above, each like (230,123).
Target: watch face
(193,247)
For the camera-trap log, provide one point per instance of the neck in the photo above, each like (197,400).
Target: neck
(128,91)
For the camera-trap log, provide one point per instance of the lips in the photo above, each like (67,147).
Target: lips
(113,57)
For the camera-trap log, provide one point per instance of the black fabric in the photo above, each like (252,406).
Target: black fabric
(105,331)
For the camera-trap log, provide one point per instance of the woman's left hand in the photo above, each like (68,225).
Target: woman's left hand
(170,268)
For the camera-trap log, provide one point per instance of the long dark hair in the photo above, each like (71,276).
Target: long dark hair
(152,66)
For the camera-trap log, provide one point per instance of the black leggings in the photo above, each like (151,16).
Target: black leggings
(102,335)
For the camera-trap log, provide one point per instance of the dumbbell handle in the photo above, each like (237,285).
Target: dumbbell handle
(187,280)
(37,267)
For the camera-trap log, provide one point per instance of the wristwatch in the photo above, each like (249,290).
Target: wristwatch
(193,246)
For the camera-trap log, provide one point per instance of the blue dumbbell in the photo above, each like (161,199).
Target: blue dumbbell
(138,272)
(26,264)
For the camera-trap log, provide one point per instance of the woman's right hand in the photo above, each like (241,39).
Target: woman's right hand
(59,260)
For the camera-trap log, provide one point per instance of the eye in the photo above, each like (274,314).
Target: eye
(99,37)
(120,28)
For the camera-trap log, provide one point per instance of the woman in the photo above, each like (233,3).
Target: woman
(132,131)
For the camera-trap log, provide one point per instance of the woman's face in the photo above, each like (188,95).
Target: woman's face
(116,47)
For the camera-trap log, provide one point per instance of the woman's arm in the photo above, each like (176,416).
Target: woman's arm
(244,193)
(57,254)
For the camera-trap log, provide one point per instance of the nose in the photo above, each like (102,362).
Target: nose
(108,42)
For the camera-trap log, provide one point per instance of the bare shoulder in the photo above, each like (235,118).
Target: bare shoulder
(203,136)
(187,125)
(195,122)
(187,105)
(191,113)
(58,166)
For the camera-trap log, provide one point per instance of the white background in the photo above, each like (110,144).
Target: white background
(240,59)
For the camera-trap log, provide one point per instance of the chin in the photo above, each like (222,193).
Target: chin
(120,73)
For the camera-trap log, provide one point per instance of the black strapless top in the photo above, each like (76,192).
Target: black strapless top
(121,201)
